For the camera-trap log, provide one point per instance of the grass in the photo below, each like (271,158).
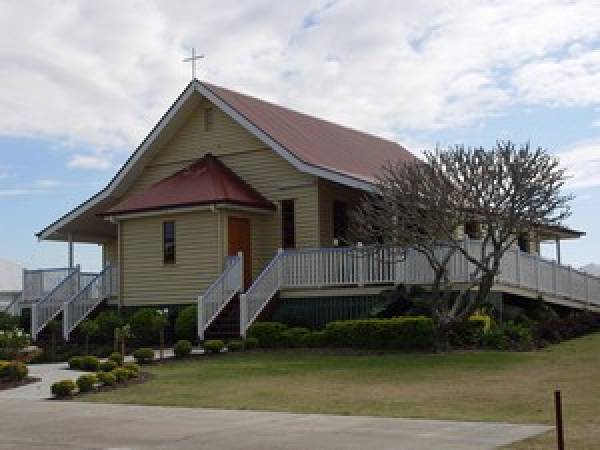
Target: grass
(487,386)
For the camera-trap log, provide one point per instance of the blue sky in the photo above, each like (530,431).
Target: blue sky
(77,100)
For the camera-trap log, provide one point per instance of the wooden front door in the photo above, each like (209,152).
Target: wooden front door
(238,233)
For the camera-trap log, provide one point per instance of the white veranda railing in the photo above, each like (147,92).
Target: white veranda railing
(378,265)
(94,290)
(38,283)
(220,292)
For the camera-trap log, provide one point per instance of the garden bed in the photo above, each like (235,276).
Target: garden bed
(4,385)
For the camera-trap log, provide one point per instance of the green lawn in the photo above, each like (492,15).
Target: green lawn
(489,386)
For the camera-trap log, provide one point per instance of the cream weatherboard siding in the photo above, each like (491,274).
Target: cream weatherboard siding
(328,193)
(202,236)
(144,277)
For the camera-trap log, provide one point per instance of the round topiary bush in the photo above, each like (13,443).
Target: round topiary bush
(144,355)
(117,358)
(213,346)
(182,349)
(108,366)
(250,343)
(90,363)
(106,379)
(131,373)
(186,324)
(75,362)
(143,325)
(86,382)
(121,374)
(235,346)
(132,366)
(63,388)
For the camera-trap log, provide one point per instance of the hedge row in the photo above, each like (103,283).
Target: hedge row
(397,333)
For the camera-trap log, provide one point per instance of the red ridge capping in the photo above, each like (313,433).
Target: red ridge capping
(205,182)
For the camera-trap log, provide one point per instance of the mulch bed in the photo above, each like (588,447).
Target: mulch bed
(15,384)
(143,377)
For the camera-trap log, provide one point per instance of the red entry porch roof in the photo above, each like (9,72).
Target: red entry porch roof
(205,182)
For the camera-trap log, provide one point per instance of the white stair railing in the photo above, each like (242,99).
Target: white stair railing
(262,290)
(46,309)
(14,307)
(96,288)
(220,292)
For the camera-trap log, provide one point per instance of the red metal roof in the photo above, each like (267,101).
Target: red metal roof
(315,141)
(205,182)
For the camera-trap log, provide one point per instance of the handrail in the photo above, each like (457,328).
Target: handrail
(229,283)
(78,307)
(38,283)
(379,265)
(266,285)
(51,305)
(10,308)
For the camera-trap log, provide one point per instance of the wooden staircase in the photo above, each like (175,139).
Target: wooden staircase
(227,323)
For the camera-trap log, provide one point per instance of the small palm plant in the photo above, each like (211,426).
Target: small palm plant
(90,329)
(121,336)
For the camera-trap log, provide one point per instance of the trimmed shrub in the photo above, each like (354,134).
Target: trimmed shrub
(108,366)
(106,378)
(121,374)
(235,346)
(132,366)
(182,348)
(315,339)
(132,374)
(509,336)
(90,363)
(13,370)
(75,362)
(186,324)
(107,322)
(86,382)
(294,337)
(144,355)
(63,388)
(117,358)
(143,325)
(250,343)
(269,334)
(468,333)
(213,346)
(407,333)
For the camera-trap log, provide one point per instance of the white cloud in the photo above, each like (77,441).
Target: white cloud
(583,164)
(18,192)
(48,183)
(95,162)
(101,74)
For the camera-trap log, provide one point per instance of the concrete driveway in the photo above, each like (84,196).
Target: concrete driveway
(31,424)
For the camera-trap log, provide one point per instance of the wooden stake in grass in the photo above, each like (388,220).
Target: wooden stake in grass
(560,437)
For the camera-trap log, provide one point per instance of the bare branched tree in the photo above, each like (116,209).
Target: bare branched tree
(421,205)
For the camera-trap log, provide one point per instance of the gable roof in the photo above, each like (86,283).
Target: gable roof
(317,142)
(205,182)
(311,145)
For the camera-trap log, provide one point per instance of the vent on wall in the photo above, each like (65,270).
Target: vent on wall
(208,119)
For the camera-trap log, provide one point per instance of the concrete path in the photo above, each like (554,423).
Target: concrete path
(52,372)
(49,373)
(57,425)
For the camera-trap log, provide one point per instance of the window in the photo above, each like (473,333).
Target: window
(169,242)
(208,119)
(340,221)
(472,229)
(288,225)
